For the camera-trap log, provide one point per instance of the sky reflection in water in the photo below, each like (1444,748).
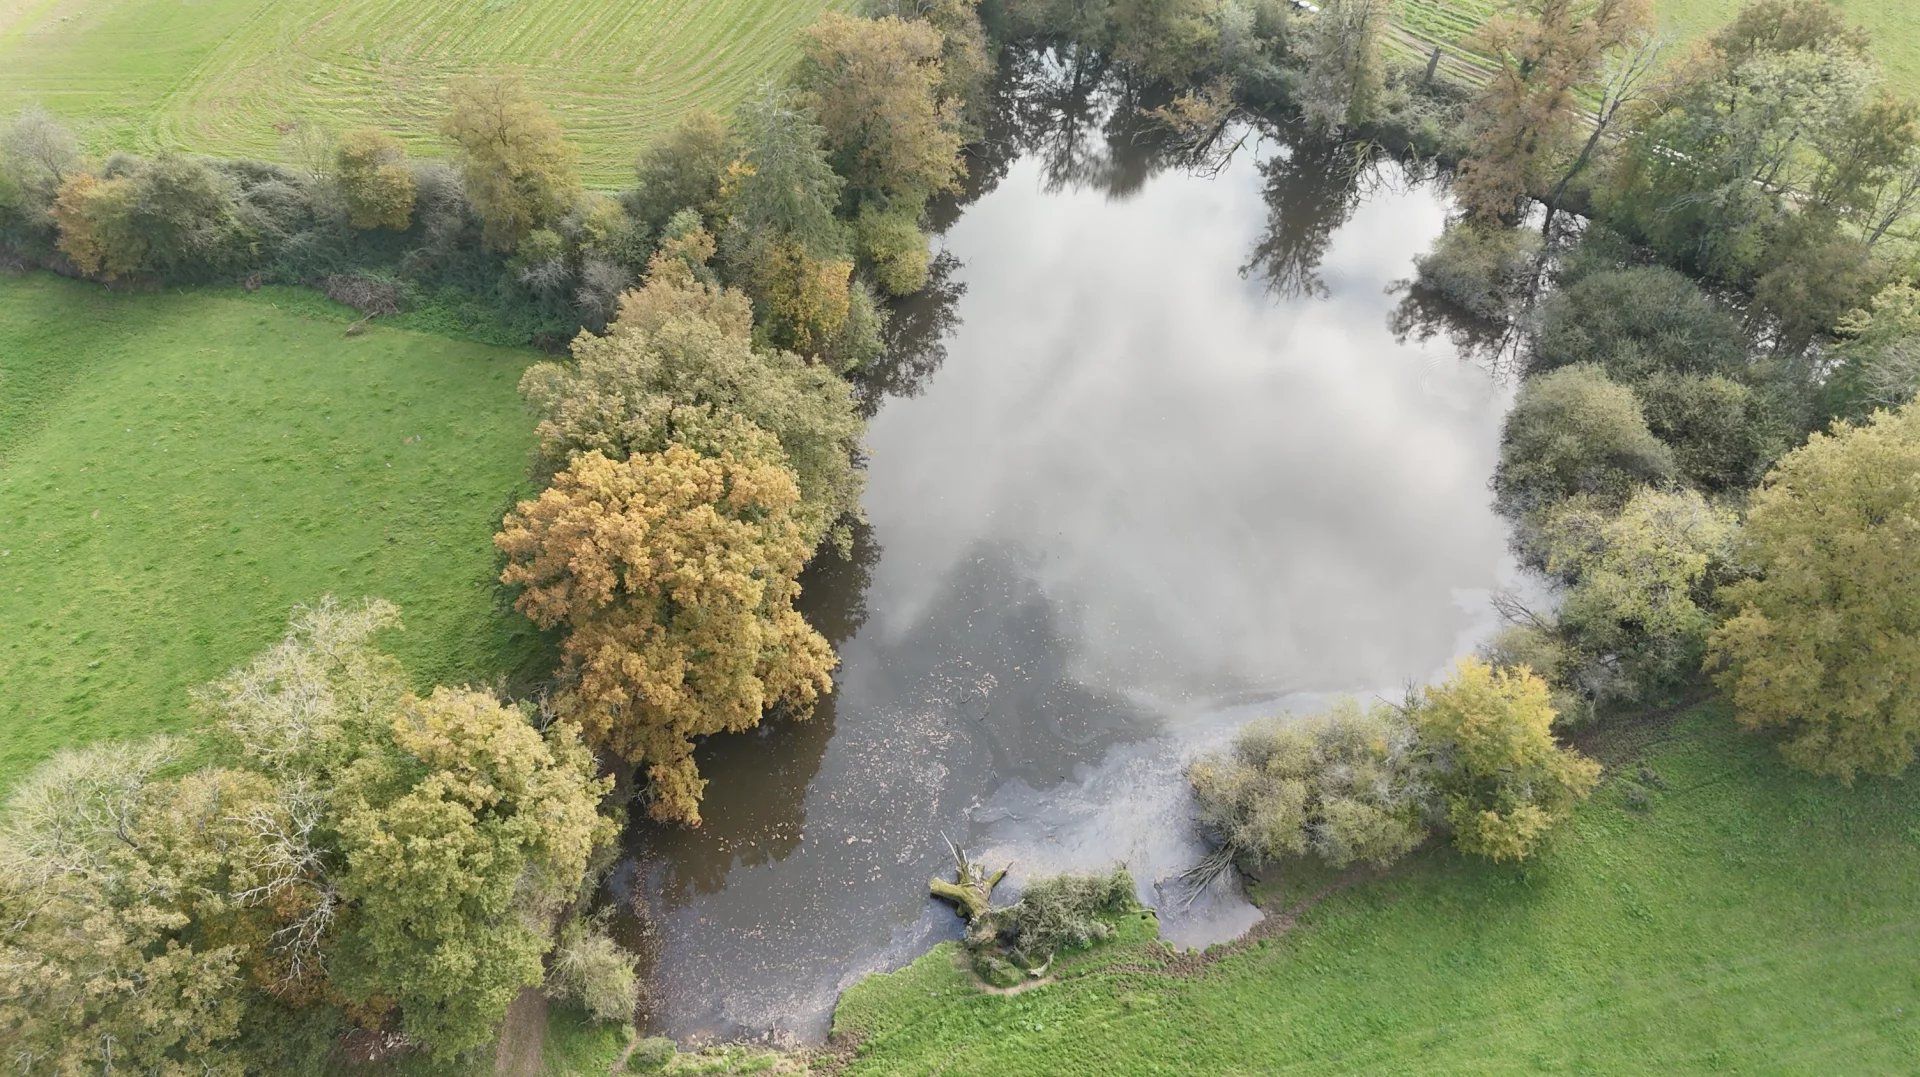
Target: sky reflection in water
(1145,497)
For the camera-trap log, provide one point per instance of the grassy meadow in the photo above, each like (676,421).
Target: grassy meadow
(231,76)
(1749,919)
(178,470)
(1894,24)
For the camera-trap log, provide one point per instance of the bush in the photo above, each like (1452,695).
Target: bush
(1478,268)
(1345,786)
(1636,613)
(1503,780)
(1634,323)
(892,246)
(1061,912)
(593,971)
(651,1055)
(1574,431)
(1722,433)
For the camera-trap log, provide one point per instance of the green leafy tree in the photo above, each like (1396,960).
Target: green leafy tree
(114,888)
(1167,40)
(462,835)
(1824,645)
(1718,161)
(1503,779)
(518,168)
(784,188)
(1877,361)
(875,85)
(684,169)
(1343,79)
(417,849)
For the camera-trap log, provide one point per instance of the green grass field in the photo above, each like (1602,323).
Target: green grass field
(1894,24)
(229,76)
(1752,920)
(177,471)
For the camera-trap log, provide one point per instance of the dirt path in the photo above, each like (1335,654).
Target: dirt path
(523,1035)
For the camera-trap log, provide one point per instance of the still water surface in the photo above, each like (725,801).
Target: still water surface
(1152,462)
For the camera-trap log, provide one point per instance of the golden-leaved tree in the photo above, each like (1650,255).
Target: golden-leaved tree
(370,167)
(1503,779)
(519,169)
(1825,643)
(674,574)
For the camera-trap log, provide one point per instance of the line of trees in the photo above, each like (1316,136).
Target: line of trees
(700,449)
(1643,460)
(367,861)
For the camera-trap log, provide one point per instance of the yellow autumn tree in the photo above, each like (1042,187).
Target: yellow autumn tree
(876,86)
(370,167)
(1825,643)
(517,165)
(92,217)
(1503,779)
(674,574)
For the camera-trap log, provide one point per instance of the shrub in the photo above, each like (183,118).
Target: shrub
(1722,433)
(593,971)
(1480,268)
(1061,912)
(892,245)
(1503,780)
(651,1055)
(1343,786)
(1634,323)
(1573,431)
(1637,610)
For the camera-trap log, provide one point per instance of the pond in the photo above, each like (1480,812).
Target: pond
(1151,461)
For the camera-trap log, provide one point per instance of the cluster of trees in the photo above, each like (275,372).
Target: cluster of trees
(1642,460)
(814,191)
(698,451)
(364,857)
(1474,755)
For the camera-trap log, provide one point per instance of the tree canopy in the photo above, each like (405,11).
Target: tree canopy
(1503,779)
(518,168)
(1824,643)
(674,575)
